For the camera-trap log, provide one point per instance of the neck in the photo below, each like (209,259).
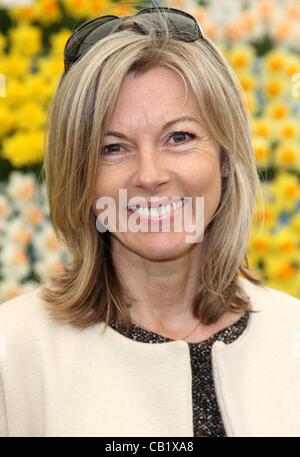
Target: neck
(160,293)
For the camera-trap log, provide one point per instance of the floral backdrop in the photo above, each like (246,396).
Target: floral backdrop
(260,39)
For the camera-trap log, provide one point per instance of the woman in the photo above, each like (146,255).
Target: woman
(147,332)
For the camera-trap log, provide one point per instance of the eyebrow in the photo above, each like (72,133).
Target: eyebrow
(166,126)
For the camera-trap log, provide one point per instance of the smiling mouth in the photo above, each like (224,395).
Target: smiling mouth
(160,212)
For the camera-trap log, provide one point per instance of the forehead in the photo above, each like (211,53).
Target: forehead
(154,97)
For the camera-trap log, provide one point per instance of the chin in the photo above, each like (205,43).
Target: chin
(160,246)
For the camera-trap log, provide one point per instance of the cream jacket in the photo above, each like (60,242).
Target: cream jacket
(56,380)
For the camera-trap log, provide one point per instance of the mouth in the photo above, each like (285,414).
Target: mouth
(158,213)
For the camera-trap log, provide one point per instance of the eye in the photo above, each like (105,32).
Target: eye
(113,149)
(111,152)
(182,134)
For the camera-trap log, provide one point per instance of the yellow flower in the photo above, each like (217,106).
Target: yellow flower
(260,243)
(24,148)
(30,115)
(278,205)
(16,92)
(22,13)
(255,265)
(253,262)
(92,8)
(287,154)
(7,120)
(280,268)
(295,224)
(86,8)
(2,42)
(262,150)
(76,8)
(58,41)
(286,189)
(26,39)
(274,86)
(222,48)
(290,285)
(97,6)
(247,81)
(250,102)
(275,60)
(47,11)
(269,215)
(15,65)
(277,110)
(37,88)
(52,86)
(285,242)
(121,8)
(50,67)
(262,127)
(282,274)
(292,65)
(241,56)
(288,129)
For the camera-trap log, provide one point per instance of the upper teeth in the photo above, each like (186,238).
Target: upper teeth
(162,210)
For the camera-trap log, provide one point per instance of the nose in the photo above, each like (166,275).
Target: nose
(150,170)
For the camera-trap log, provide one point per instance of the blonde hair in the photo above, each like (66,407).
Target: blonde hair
(88,290)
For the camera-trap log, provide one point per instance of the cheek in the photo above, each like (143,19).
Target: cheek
(108,184)
(100,188)
(104,187)
(205,181)
(203,178)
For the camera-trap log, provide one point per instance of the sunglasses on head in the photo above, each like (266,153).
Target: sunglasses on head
(183,26)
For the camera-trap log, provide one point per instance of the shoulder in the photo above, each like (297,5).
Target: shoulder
(30,337)
(25,320)
(272,302)
(24,310)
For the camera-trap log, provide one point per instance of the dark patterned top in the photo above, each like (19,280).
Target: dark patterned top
(207,419)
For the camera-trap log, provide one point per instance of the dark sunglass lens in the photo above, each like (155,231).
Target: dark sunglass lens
(181,24)
(86,35)
(185,29)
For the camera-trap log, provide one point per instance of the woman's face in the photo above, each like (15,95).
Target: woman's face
(151,161)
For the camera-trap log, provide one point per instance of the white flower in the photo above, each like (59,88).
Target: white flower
(48,266)
(45,241)
(33,214)
(14,262)
(16,3)
(44,200)
(224,12)
(21,188)
(18,232)
(5,210)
